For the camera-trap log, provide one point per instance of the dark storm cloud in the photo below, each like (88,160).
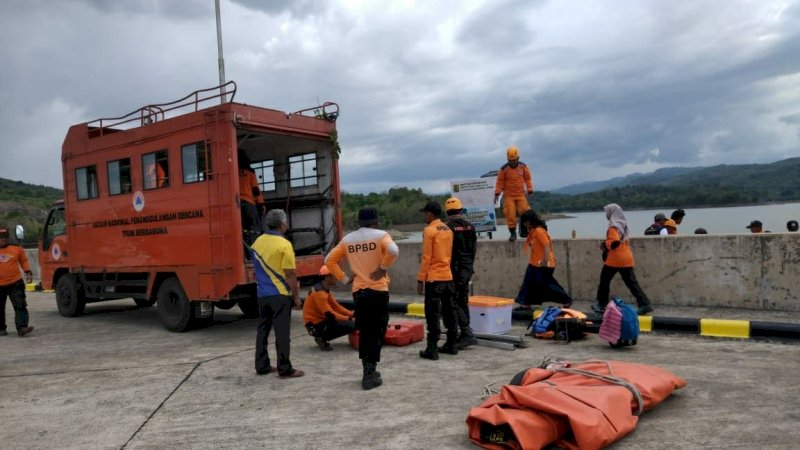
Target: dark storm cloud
(429,91)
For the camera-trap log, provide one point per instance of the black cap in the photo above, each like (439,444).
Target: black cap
(792,225)
(755,223)
(660,216)
(700,231)
(367,216)
(433,208)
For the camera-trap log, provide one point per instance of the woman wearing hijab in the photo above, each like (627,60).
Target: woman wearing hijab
(617,257)
(539,285)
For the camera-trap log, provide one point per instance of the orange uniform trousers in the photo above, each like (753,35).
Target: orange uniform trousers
(514,206)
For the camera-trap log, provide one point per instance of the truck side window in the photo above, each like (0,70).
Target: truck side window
(303,170)
(86,182)
(155,170)
(196,162)
(265,171)
(56,226)
(119,176)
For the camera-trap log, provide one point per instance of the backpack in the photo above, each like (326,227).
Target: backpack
(620,325)
(653,230)
(544,326)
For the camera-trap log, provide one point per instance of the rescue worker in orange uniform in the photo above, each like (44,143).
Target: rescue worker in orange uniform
(369,253)
(435,280)
(465,246)
(617,257)
(539,285)
(251,200)
(324,317)
(12,258)
(514,181)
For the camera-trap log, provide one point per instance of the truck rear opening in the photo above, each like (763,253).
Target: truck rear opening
(152,203)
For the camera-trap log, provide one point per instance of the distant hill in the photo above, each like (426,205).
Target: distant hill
(26,205)
(724,185)
(657,177)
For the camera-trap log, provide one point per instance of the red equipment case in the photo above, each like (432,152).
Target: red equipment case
(399,333)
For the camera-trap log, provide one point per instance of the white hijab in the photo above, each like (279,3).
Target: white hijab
(616,219)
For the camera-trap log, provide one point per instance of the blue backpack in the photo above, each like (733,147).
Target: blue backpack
(546,321)
(629,333)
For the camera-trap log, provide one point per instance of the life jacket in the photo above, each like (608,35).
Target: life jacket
(653,230)
(544,326)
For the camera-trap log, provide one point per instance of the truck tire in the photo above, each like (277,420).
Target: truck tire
(174,308)
(249,307)
(144,302)
(69,298)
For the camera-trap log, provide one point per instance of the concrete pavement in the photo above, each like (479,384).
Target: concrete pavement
(115,378)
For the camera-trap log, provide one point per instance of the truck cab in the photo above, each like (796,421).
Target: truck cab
(152,203)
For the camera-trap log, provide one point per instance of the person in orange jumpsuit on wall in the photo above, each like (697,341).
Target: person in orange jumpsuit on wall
(514,181)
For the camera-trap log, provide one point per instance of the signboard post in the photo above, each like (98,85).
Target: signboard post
(477,197)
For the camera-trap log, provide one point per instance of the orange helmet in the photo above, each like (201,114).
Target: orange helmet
(512,153)
(452,203)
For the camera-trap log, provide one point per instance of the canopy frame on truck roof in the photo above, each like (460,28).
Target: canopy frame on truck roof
(157,112)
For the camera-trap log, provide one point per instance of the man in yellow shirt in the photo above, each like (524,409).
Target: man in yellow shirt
(369,253)
(274,264)
(435,280)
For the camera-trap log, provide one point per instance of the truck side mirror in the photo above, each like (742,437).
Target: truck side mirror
(20,233)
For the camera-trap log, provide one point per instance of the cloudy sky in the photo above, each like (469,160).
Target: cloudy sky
(430,91)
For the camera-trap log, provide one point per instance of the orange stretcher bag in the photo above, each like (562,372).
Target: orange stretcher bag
(398,333)
(585,405)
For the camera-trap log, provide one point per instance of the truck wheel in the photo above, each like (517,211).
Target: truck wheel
(69,299)
(174,308)
(144,302)
(249,307)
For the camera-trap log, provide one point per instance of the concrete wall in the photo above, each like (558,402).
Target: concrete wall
(742,271)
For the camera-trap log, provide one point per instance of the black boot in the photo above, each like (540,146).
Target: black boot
(449,347)
(371,378)
(513,234)
(430,352)
(467,339)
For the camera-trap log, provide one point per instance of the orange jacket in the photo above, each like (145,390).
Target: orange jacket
(11,259)
(537,240)
(437,247)
(248,188)
(320,302)
(622,256)
(365,249)
(513,181)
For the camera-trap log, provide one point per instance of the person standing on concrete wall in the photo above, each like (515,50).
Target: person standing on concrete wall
(12,258)
(277,290)
(435,280)
(462,260)
(369,252)
(514,181)
(617,257)
(539,284)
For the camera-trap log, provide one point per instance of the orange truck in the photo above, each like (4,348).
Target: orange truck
(151,207)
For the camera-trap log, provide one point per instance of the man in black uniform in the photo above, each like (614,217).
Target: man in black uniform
(465,242)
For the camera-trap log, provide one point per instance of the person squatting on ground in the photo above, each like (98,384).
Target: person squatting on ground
(251,200)
(462,260)
(514,181)
(539,285)
(324,317)
(435,280)
(12,258)
(274,266)
(617,257)
(369,252)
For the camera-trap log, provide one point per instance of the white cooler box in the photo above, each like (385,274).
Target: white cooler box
(490,315)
